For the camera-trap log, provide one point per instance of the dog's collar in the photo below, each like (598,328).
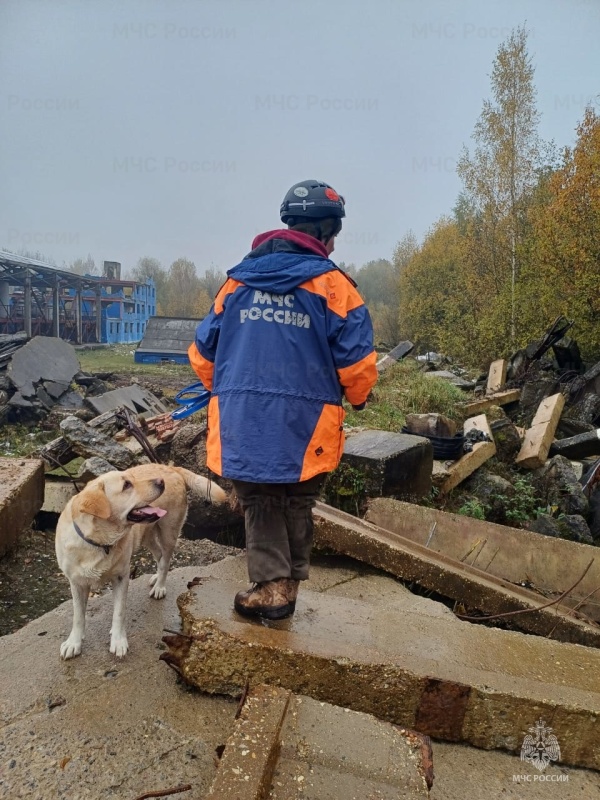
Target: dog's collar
(79,532)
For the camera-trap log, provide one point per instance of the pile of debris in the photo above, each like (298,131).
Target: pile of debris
(40,375)
(122,437)
(536,415)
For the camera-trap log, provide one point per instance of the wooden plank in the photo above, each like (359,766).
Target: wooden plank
(459,470)
(539,438)
(496,376)
(499,399)
(548,409)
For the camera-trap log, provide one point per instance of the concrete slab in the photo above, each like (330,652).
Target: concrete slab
(285,745)
(498,399)
(330,752)
(56,496)
(397,354)
(97,727)
(540,434)
(519,556)
(131,728)
(21,497)
(137,399)
(474,588)
(43,358)
(581,446)
(441,677)
(496,376)
(393,463)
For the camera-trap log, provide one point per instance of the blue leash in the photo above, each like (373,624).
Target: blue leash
(191,399)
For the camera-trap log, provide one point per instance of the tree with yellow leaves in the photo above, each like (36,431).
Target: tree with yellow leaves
(563,261)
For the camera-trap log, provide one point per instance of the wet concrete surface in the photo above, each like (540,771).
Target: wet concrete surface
(474,588)
(330,752)
(287,746)
(438,675)
(96,728)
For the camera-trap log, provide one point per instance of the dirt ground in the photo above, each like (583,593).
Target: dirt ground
(32,584)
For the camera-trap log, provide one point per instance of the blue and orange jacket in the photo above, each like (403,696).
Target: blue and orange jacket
(287,337)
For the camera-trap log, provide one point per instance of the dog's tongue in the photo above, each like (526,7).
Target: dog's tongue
(152,510)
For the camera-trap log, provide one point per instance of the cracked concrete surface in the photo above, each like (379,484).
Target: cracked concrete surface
(96,728)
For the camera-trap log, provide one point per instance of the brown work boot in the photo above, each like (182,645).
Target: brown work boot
(270,599)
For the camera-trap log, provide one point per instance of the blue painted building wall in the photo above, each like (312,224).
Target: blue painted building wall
(126,307)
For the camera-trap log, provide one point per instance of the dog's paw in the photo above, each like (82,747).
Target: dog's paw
(119,645)
(158,592)
(153,579)
(70,648)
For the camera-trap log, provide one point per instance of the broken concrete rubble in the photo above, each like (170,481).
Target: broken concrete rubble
(43,359)
(86,441)
(561,487)
(138,400)
(284,743)
(507,439)
(92,468)
(572,527)
(40,372)
(404,662)
(472,587)
(518,556)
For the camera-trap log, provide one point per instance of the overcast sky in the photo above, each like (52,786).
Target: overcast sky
(174,128)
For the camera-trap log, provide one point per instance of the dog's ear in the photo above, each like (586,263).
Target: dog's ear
(94,502)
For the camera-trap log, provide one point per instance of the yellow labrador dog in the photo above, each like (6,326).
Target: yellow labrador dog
(109,520)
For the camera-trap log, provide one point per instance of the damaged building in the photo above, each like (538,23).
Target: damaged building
(42,300)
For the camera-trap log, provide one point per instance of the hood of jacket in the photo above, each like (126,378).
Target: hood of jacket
(280,260)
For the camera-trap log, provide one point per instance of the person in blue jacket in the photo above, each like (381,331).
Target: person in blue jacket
(287,338)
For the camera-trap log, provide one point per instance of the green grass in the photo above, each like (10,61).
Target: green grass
(23,441)
(403,389)
(119,359)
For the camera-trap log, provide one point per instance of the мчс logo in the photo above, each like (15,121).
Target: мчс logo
(541,748)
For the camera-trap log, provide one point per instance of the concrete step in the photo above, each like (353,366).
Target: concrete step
(21,497)
(408,661)
(285,745)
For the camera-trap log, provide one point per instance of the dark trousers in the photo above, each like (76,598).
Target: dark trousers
(279,527)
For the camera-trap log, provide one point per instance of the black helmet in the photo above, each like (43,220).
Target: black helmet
(311,200)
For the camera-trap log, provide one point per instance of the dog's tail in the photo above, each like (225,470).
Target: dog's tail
(202,486)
